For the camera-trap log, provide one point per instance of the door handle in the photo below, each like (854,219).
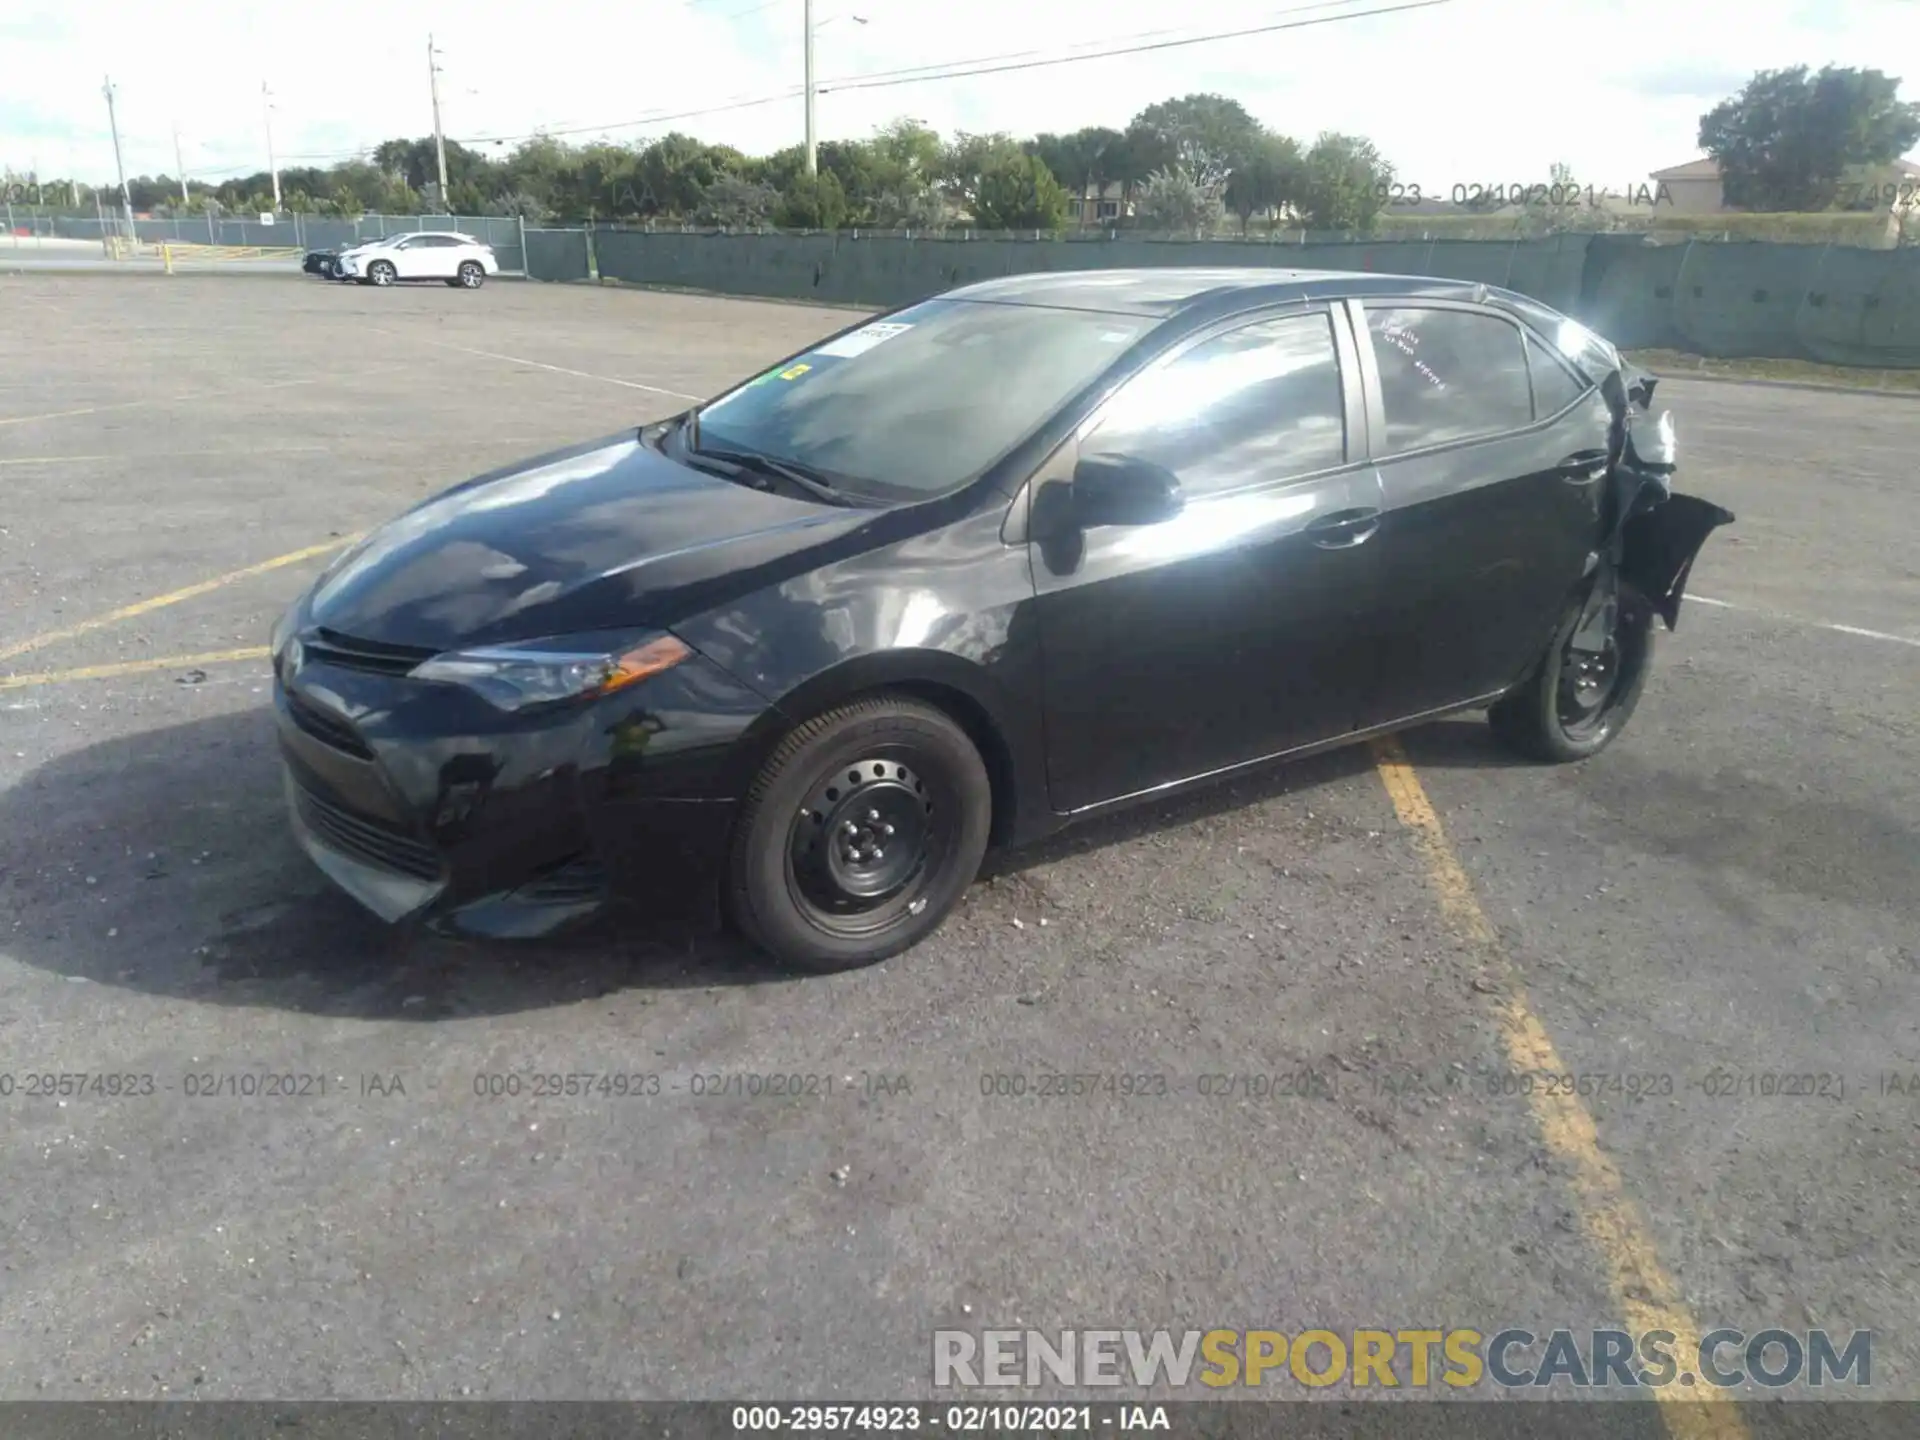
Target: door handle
(1344,529)
(1583,467)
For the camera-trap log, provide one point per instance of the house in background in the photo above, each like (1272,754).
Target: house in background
(1098,204)
(1695,188)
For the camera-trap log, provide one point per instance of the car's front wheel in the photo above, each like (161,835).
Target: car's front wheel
(1577,700)
(381,272)
(860,834)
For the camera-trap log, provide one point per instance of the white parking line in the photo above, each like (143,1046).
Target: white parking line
(556,369)
(1863,633)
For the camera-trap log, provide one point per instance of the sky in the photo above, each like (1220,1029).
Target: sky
(1463,92)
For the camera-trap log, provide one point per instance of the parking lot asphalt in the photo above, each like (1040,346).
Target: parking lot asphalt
(1372,940)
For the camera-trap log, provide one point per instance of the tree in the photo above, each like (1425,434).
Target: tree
(1095,156)
(1343,183)
(1018,192)
(737,203)
(1267,180)
(907,149)
(1785,141)
(966,159)
(673,173)
(812,202)
(1204,135)
(1175,200)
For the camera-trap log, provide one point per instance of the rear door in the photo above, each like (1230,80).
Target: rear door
(435,255)
(1491,455)
(1226,632)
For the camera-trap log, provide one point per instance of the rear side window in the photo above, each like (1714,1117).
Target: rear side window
(1448,375)
(1555,386)
(1260,403)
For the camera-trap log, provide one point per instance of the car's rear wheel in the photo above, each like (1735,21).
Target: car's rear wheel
(472,275)
(1577,701)
(381,272)
(861,833)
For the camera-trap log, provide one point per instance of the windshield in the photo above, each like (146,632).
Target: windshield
(924,400)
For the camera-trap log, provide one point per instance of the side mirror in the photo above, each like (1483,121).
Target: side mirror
(1120,490)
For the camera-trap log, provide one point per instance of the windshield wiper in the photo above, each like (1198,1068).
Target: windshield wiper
(801,477)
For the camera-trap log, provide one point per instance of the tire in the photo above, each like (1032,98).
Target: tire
(381,272)
(809,880)
(1551,718)
(471,276)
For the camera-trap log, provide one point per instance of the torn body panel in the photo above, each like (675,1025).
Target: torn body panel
(1658,547)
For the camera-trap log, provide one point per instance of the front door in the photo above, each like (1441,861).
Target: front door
(1225,632)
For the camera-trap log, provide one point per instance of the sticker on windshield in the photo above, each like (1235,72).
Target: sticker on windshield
(794,372)
(862,340)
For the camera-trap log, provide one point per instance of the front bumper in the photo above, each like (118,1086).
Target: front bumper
(427,805)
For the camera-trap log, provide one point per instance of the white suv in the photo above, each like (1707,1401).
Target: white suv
(424,255)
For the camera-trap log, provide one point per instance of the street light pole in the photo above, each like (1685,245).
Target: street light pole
(266,103)
(113,124)
(439,135)
(180,165)
(813,161)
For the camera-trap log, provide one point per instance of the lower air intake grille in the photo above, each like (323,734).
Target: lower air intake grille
(372,842)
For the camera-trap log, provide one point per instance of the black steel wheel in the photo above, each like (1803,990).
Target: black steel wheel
(860,835)
(1577,699)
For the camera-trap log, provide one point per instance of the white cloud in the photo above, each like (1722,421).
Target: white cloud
(1473,91)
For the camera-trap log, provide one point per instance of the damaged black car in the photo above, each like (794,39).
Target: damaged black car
(962,574)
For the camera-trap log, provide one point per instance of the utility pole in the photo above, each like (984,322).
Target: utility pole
(813,161)
(439,135)
(266,105)
(113,124)
(181,166)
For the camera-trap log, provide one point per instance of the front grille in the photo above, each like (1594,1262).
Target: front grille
(329,730)
(373,842)
(332,648)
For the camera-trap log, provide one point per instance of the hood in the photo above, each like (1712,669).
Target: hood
(604,536)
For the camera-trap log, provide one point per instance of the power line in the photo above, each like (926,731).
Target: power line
(984,65)
(877,83)
(1062,57)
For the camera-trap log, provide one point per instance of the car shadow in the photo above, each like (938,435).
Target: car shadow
(162,862)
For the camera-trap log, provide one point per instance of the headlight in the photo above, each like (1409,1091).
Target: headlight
(514,677)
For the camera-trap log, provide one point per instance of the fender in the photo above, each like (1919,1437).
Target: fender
(1006,731)
(1658,548)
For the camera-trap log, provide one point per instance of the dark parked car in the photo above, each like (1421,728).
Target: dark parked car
(954,577)
(320,262)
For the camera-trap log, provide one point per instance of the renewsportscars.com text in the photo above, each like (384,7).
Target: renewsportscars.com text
(1400,1358)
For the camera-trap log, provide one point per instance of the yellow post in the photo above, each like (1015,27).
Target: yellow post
(166,254)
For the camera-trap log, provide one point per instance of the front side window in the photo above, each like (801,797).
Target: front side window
(1448,375)
(1256,404)
(925,400)
(1555,386)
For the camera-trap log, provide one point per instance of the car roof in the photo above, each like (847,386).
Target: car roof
(1166,291)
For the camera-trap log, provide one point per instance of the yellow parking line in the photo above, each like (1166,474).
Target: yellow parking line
(173,597)
(1646,1294)
(132,667)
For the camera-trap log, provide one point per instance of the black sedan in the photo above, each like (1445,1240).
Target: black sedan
(954,577)
(320,262)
